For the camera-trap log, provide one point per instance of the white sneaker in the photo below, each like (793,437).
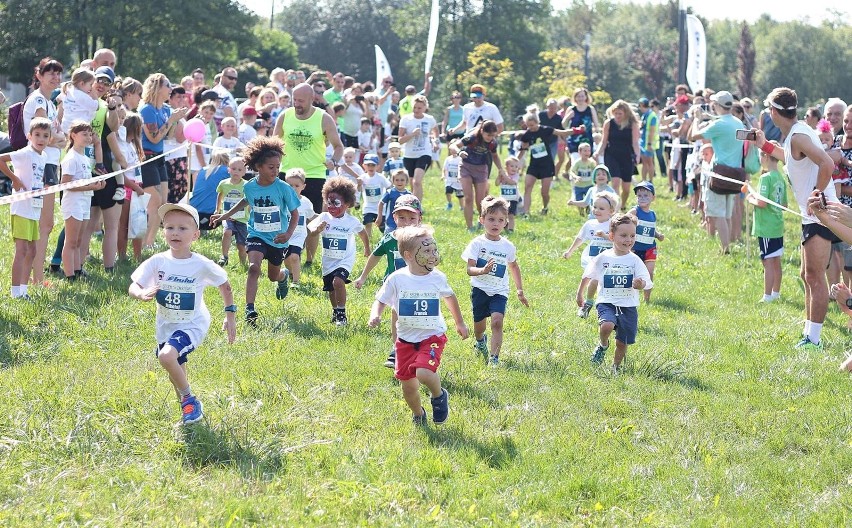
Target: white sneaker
(119,194)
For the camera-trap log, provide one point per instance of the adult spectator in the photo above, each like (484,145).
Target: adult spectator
(840,262)
(318,86)
(813,115)
(620,147)
(583,118)
(103,57)
(418,135)
(537,139)
(157,122)
(809,168)
(197,78)
(453,115)
(550,117)
(176,158)
(47,77)
(727,153)
(477,111)
(765,124)
(305,130)
(335,93)
(649,129)
(748,108)
(224,88)
(356,108)
(834,109)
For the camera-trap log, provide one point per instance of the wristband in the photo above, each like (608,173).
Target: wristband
(232,308)
(767,147)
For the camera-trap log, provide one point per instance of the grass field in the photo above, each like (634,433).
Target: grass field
(716,420)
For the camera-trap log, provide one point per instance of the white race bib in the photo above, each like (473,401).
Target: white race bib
(645,232)
(334,247)
(618,281)
(266,219)
(419,309)
(176,301)
(538,150)
(509,192)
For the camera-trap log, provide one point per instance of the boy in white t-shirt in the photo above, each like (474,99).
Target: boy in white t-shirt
(229,140)
(246,131)
(28,164)
(338,229)
(414,293)
(293,256)
(373,186)
(489,256)
(452,185)
(620,274)
(366,139)
(176,279)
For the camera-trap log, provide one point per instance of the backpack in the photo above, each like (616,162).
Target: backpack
(751,158)
(17,136)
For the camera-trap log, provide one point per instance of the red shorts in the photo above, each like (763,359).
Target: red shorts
(647,255)
(412,356)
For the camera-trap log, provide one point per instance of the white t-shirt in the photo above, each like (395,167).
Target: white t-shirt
(171,143)
(480,249)
(246,133)
(28,166)
(180,299)
(510,191)
(804,172)
(615,276)
(416,299)
(422,144)
(474,116)
(229,143)
(451,169)
(35,101)
(77,105)
(338,241)
(306,214)
(131,155)
(365,141)
(79,167)
(374,188)
(596,244)
(227,100)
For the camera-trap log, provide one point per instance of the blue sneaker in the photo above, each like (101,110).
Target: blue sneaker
(807,345)
(441,407)
(598,354)
(191,409)
(493,361)
(422,419)
(481,345)
(283,286)
(449,207)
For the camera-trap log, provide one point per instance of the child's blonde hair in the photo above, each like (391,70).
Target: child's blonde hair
(296,173)
(350,150)
(207,104)
(229,120)
(513,159)
(218,158)
(133,133)
(611,198)
(80,75)
(402,172)
(494,204)
(236,159)
(407,237)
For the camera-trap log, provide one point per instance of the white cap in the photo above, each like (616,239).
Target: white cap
(185,207)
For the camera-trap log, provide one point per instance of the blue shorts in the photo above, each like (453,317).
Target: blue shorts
(580,193)
(181,342)
(484,305)
(239,229)
(770,247)
(370,218)
(274,255)
(625,318)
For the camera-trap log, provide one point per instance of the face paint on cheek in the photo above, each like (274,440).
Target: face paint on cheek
(427,254)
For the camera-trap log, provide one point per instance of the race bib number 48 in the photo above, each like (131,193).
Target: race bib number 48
(176,301)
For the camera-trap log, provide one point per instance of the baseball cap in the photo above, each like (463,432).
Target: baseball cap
(106,72)
(395,144)
(185,207)
(645,185)
(408,202)
(682,99)
(477,91)
(210,95)
(249,110)
(372,159)
(643,101)
(723,99)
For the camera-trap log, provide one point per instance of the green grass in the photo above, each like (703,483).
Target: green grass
(716,420)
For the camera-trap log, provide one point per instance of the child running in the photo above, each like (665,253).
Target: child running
(374,185)
(647,233)
(768,225)
(595,232)
(488,256)
(293,257)
(76,202)
(272,221)
(28,164)
(583,175)
(394,161)
(450,171)
(338,229)
(413,292)
(508,184)
(176,279)
(230,193)
(406,212)
(602,180)
(620,273)
(399,180)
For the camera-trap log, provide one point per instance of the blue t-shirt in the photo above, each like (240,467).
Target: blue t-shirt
(149,115)
(645,230)
(727,149)
(389,199)
(204,193)
(391,166)
(271,208)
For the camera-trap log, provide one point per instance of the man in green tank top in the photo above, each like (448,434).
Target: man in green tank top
(305,131)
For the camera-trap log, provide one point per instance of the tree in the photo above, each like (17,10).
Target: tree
(745,63)
(23,39)
(273,48)
(496,74)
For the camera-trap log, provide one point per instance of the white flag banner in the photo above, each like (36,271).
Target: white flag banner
(433,35)
(382,67)
(696,56)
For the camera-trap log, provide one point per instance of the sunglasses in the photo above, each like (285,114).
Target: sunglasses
(104,82)
(231,77)
(456,97)
(333,203)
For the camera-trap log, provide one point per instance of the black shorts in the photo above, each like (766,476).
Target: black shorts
(770,247)
(154,173)
(328,280)
(51,174)
(448,189)
(204,221)
(370,218)
(103,197)
(293,250)
(513,207)
(273,255)
(812,230)
(412,164)
(349,141)
(541,171)
(620,166)
(312,191)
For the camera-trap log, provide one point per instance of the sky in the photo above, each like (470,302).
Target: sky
(815,11)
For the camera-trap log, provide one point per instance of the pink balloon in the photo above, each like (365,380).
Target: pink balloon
(194,130)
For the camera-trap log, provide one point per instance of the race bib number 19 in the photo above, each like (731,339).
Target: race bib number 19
(419,309)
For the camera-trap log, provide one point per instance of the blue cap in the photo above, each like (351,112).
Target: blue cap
(648,186)
(371,158)
(644,101)
(105,71)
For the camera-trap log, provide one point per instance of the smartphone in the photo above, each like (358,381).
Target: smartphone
(822,201)
(746,135)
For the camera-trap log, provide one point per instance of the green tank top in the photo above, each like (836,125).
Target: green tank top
(304,143)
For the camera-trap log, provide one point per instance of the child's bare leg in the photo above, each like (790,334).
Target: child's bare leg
(45,226)
(253,275)
(168,358)
(511,224)
(605,331)
(768,279)
(339,292)
(650,264)
(431,380)
(496,333)
(226,242)
(20,271)
(479,328)
(620,352)
(294,265)
(775,264)
(369,229)
(411,393)
(241,249)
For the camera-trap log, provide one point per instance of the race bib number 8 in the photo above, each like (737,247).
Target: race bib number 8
(266,219)
(495,274)
(419,310)
(176,301)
